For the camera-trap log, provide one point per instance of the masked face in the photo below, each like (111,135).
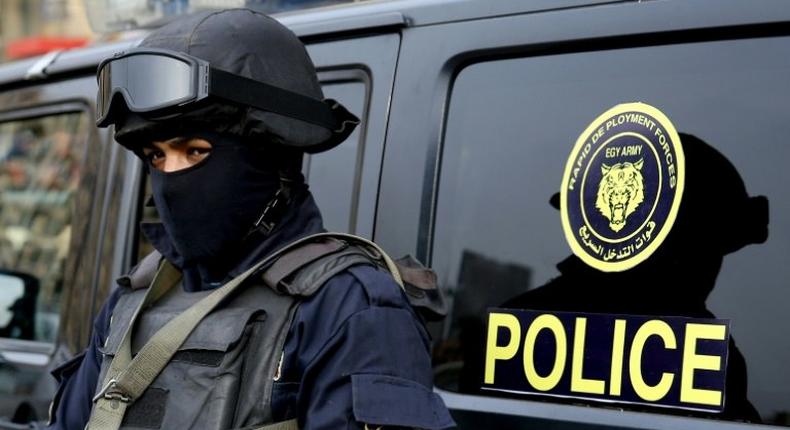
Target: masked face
(209,191)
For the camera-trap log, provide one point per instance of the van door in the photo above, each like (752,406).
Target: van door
(53,184)
(358,73)
(480,133)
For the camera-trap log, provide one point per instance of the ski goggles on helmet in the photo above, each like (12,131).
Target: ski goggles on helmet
(159,84)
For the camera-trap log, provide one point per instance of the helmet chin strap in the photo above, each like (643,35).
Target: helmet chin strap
(277,206)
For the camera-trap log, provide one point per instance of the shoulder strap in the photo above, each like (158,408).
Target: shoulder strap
(310,278)
(296,259)
(377,253)
(304,268)
(282,425)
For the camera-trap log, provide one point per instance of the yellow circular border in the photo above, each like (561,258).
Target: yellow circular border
(680,161)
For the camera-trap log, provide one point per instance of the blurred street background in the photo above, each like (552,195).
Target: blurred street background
(34,27)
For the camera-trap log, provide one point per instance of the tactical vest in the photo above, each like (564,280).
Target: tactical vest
(221,376)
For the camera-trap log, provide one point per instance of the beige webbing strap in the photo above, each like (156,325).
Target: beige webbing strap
(282,425)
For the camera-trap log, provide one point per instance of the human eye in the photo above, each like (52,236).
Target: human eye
(197,150)
(153,156)
(196,154)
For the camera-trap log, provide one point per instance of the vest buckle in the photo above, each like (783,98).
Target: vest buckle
(111,392)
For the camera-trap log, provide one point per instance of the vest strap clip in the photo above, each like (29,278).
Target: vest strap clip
(111,392)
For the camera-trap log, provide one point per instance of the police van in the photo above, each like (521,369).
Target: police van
(597,184)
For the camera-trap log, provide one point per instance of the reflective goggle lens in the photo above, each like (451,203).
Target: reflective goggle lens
(147,82)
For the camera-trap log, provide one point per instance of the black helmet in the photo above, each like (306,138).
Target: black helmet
(717,210)
(251,45)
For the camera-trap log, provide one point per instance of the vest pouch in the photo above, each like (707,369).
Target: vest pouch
(201,382)
(199,388)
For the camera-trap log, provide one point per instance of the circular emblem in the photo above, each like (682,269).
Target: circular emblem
(622,187)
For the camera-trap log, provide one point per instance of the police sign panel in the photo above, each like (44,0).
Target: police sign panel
(672,362)
(622,187)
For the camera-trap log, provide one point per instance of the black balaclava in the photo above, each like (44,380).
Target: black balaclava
(209,209)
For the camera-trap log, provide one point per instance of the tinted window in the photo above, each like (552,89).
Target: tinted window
(40,162)
(334,175)
(512,124)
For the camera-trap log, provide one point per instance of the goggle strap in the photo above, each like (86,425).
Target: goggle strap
(245,91)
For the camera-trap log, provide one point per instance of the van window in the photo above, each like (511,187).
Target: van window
(40,161)
(334,175)
(511,125)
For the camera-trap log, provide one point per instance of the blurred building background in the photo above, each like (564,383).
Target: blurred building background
(34,27)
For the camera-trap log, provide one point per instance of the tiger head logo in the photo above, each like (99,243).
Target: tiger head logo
(620,192)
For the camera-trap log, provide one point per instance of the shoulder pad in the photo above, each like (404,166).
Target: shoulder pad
(303,270)
(305,267)
(420,285)
(143,274)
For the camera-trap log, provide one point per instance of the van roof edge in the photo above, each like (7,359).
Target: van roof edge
(347,24)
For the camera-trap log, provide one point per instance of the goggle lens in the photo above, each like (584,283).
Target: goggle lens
(146,81)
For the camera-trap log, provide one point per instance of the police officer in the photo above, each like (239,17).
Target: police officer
(291,332)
